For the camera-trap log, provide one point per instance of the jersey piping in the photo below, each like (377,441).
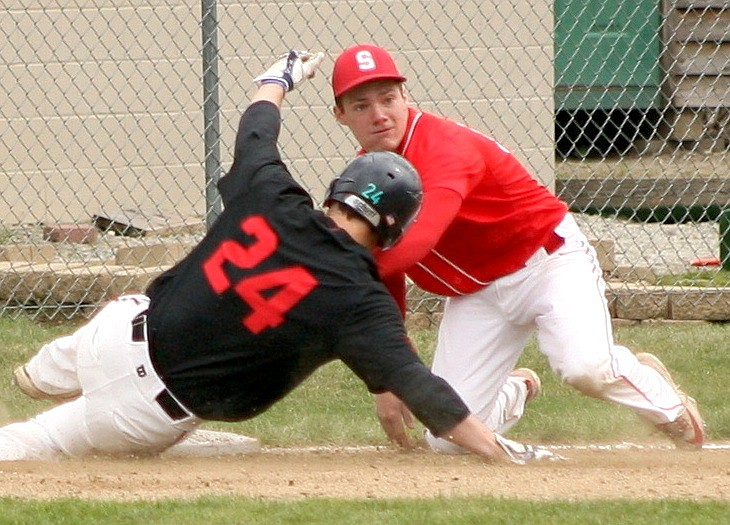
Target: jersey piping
(449,266)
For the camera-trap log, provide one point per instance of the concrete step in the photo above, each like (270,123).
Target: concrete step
(64,283)
(30,276)
(681,303)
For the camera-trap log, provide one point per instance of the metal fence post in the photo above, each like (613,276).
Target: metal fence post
(211,111)
(725,239)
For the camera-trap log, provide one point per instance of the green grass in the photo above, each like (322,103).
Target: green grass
(719,278)
(20,339)
(696,353)
(4,235)
(438,511)
(333,407)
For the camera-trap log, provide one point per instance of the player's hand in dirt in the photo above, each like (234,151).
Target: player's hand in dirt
(394,417)
(291,69)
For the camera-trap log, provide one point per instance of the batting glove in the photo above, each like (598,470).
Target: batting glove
(291,69)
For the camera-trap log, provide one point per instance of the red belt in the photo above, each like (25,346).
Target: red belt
(553,243)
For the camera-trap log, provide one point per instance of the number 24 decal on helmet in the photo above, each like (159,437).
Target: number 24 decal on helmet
(372,193)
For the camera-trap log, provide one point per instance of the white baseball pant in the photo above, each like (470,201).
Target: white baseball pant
(116,412)
(561,297)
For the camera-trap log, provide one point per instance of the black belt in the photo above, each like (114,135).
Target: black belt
(168,403)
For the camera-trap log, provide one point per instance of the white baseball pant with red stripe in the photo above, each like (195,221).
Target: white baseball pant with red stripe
(561,298)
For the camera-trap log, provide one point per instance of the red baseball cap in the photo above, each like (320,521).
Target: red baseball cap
(363,63)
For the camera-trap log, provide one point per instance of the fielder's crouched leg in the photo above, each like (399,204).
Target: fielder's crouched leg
(522,386)
(688,429)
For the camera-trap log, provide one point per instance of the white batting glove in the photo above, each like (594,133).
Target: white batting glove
(521,454)
(291,69)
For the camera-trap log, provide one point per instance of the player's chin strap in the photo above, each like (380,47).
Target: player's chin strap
(521,454)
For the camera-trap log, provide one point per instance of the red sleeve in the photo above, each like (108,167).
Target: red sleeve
(396,285)
(438,210)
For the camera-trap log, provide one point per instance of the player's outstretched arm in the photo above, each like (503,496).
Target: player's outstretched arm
(259,126)
(474,436)
(286,74)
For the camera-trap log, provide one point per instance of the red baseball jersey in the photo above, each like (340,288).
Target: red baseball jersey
(483,214)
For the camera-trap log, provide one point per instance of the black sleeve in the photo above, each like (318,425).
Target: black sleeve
(430,398)
(256,147)
(375,347)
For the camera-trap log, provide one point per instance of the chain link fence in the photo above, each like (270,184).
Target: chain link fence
(120,116)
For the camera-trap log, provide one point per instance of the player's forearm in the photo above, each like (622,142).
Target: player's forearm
(474,436)
(272,92)
(256,146)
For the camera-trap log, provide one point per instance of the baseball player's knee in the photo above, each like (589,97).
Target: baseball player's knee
(591,378)
(587,384)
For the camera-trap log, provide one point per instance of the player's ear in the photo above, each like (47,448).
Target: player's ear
(339,113)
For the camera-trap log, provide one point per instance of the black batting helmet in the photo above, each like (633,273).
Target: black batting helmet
(384,189)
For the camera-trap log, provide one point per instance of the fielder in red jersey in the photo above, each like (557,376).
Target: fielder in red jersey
(509,257)
(480,197)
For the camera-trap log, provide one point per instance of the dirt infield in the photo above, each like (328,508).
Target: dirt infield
(587,473)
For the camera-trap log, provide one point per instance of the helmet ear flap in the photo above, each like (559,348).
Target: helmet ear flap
(384,189)
(330,189)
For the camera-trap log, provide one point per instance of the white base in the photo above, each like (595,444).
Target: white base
(209,443)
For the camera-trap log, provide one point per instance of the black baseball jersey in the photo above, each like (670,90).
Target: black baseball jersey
(273,291)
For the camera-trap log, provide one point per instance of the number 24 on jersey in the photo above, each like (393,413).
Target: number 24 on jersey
(286,286)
